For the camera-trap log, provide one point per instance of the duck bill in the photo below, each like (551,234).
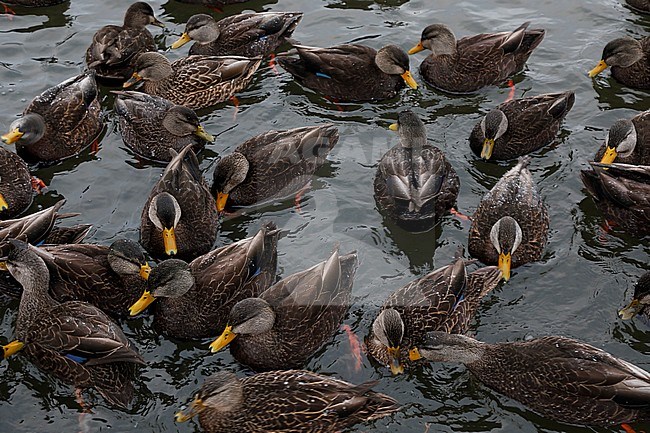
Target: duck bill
(185,38)
(3,266)
(226,337)
(195,408)
(157,23)
(609,156)
(600,67)
(395,365)
(408,78)
(135,78)
(631,310)
(393,127)
(414,354)
(12,348)
(12,136)
(416,49)
(488,147)
(141,304)
(3,203)
(222,198)
(169,241)
(203,134)
(145,270)
(505,260)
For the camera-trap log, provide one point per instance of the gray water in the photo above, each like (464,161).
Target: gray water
(585,276)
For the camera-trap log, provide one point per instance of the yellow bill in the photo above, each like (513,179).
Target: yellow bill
(3,266)
(145,270)
(414,354)
(12,348)
(185,38)
(169,240)
(600,67)
(3,203)
(408,78)
(131,81)
(416,49)
(505,260)
(488,147)
(195,408)
(395,365)
(202,133)
(222,198)
(631,310)
(609,156)
(141,304)
(12,136)
(393,127)
(226,337)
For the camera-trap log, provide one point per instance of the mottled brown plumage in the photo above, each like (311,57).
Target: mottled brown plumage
(274,164)
(622,194)
(73,341)
(628,141)
(558,377)
(520,126)
(180,203)
(444,300)
(16,192)
(194,81)
(248,35)
(195,299)
(473,62)
(151,125)
(511,221)
(60,122)
(114,48)
(415,184)
(291,320)
(639,5)
(294,401)
(350,72)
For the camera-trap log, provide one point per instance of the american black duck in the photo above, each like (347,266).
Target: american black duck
(629,60)
(60,122)
(16,192)
(294,401)
(415,184)
(473,62)
(286,324)
(520,126)
(510,225)
(627,142)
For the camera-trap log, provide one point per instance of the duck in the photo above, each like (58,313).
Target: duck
(559,378)
(60,122)
(285,402)
(151,125)
(287,323)
(627,142)
(642,6)
(445,299)
(16,192)
(414,183)
(114,48)
(34,3)
(629,60)
(179,218)
(520,126)
(247,35)
(622,194)
(111,277)
(274,164)
(351,72)
(192,300)
(510,226)
(474,62)
(74,341)
(195,81)
(640,304)
(39,228)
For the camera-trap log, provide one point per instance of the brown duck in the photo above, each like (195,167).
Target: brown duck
(627,142)
(16,192)
(629,60)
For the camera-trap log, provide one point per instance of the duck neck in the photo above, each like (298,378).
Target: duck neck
(35,299)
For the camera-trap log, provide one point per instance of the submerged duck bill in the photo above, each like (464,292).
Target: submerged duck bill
(631,310)
(12,348)
(145,270)
(185,38)
(135,78)
(600,67)
(408,78)
(169,241)
(488,147)
(395,365)
(505,261)
(141,304)
(195,408)
(12,136)
(222,198)
(203,134)
(416,49)
(609,156)
(226,337)
(3,203)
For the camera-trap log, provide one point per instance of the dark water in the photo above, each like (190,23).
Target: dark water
(575,291)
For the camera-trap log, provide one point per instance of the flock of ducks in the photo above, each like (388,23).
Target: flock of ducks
(74,292)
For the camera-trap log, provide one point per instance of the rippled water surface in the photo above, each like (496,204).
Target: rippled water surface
(586,273)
